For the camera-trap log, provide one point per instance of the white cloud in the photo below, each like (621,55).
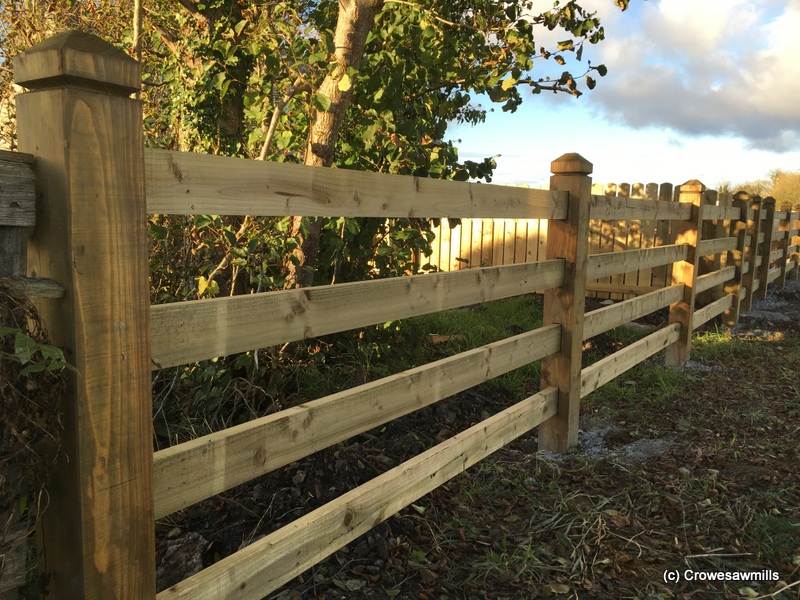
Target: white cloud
(707,67)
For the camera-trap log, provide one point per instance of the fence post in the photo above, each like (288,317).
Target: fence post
(786,241)
(738,229)
(567,239)
(86,132)
(754,225)
(686,272)
(710,230)
(768,207)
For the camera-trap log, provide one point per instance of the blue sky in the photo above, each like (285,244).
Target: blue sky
(696,89)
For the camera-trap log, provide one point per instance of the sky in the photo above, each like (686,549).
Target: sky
(696,89)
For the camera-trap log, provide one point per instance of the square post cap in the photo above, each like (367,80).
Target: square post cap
(693,185)
(80,59)
(571,164)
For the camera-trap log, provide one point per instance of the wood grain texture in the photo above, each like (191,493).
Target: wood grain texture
(634,235)
(686,272)
(710,280)
(716,246)
(565,305)
(17,190)
(79,58)
(786,239)
(620,241)
(765,248)
(711,212)
(751,257)
(185,332)
(603,265)
(185,183)
(257,569)
(192,471)
(662,276)
(607,318)
(31,287)
(709,311)
(648,228)
(606,369)
(623,208)
(90,237)
(13,251)
(736,228)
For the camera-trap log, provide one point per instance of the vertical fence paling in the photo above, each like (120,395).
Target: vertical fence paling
(86,132)
(765,248)
(567,239)
(754,229)
(736,258)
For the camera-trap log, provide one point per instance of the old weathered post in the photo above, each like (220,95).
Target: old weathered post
(17,216)
(567,239)
(80,122)
(738,229)
(765,248)
(754,227)
(686,272)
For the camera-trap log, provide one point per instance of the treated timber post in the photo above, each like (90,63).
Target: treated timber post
(786,240)
(86,132)
(711,229)
(738,229)
(686,272)
(754,225)
(768,207)
(567,239)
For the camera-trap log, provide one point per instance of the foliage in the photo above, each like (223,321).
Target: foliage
(216,72)
(32,379)
(219,73)
(784,186)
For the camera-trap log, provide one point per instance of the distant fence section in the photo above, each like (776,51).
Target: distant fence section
(471,243)
(696,254)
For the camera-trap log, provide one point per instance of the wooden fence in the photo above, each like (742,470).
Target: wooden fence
(97,183)
(471,243)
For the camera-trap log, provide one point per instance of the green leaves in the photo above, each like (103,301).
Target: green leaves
(508,83)
(34,356)
(345,83)
(321,102)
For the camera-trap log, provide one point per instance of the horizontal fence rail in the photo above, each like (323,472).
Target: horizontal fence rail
(273,560)
(189,472)
(184,183)
(603,265)
(185,332)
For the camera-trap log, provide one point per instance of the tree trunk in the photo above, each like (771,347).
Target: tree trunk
(353,24)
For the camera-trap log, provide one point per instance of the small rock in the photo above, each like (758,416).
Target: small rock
(684,471)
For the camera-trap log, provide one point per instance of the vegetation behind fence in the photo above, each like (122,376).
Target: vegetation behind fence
(97,183)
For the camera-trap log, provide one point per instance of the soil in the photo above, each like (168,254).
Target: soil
(706,477)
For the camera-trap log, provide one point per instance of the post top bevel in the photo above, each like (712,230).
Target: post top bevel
(693,185)
(77,58)
(571,164)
